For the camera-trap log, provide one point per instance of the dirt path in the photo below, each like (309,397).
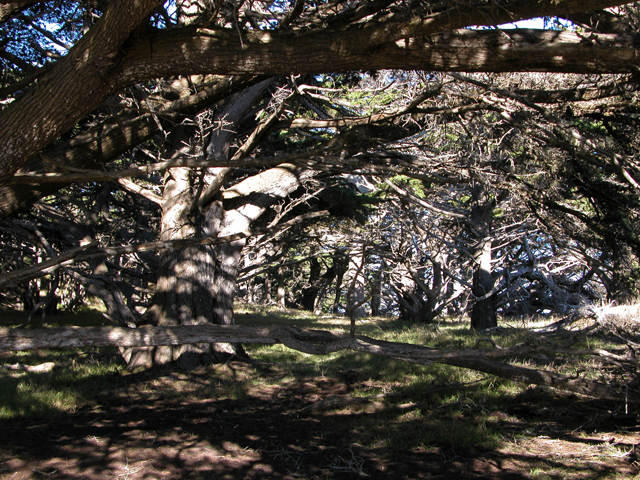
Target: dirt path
(137,434)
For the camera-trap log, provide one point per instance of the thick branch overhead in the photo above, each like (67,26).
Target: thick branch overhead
(116,53)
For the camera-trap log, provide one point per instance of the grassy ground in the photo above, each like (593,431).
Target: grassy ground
(291,415)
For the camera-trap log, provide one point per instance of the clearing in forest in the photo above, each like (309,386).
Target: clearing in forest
(289,415)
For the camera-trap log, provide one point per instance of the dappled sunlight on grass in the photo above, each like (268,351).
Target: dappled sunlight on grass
(75,381)
(345,412)
(25,397)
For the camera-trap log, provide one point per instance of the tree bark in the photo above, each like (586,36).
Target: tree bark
(342,265)
(222,52)
(484,310)
(310,291)
(281,292)
(483,313)
(185,289)
(73,88)
(625,284)
(93,149)
(197,285)
(376,290)
(356,290)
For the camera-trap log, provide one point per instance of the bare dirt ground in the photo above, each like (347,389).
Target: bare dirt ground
(138,431)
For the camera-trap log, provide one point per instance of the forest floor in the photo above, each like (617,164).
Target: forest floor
(285,417)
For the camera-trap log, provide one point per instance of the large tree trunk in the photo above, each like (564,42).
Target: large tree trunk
(196,285)
(186,286)
(208,274)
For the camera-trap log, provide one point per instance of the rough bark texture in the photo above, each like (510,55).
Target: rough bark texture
(197,285)
(185,290)
(221,52)
(77,85)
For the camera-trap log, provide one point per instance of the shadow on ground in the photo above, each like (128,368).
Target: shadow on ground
(140,431)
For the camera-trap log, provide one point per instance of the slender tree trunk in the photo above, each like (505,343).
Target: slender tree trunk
(325,281)
(323,285)
(281,293)
(483,313)
(267,290)
(310,291)
(342,266)
(626,274)
(355,295)
(376,290)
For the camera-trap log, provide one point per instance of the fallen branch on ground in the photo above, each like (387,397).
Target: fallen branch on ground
(321,342)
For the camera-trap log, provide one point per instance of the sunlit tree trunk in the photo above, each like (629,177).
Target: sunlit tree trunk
(310,290)
(483,313)
(376,290)
(196,285)
(325,281)
(281,292)
(186,287)
(342,264)
(356,275)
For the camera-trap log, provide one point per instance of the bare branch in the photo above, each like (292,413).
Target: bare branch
(92,251)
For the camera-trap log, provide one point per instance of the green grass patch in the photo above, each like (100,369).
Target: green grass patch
(76,380)
(409,408)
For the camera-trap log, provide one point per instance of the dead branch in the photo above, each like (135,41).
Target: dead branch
(320,342)
(92,251)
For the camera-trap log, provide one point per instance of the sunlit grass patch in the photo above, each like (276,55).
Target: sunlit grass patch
(74,382)
(34,399)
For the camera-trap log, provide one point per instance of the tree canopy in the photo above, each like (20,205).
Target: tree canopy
(120,48)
